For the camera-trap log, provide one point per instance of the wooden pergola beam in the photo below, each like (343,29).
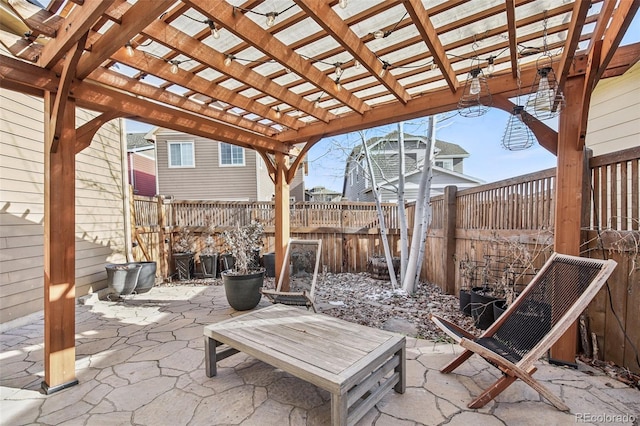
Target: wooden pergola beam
(39,20)
(134,20)
(72,30)
(513,38)
(122,82)
(157,67)
(425,27)
(326,18)
(614,33)
(434,103)
(61,96)
(176,39)
(234,20)
(86,132)
(578,17)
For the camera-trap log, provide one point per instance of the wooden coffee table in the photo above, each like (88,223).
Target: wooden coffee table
(358,365)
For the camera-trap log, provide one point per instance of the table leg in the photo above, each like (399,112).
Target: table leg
(210,356)
(339,410)
(401,369)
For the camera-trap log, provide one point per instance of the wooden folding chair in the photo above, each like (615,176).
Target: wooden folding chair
(552,301)
(301,260)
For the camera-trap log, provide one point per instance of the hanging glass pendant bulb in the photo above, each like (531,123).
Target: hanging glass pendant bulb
(517,136)
(476,98)
(545,100)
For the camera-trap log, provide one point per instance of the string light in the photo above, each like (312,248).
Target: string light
(271,18)
(385,66)
(338,84)
(278,113)
(343,4)
(316,103)
(490,66)
(174,66)
(228,59)
(474,87)
(338,69)
(130,51)
(383,34)
(379,34)
(356,64)
(214,31)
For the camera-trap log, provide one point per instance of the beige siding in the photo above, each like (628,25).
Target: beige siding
(614,116)
(99,205)
(206,181)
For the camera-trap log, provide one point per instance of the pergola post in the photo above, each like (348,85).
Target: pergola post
(569,185)
(59,249)
(282,206)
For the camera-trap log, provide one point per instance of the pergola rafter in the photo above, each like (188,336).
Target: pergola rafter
(130,64)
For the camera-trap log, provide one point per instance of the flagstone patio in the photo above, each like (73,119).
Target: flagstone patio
(141,362)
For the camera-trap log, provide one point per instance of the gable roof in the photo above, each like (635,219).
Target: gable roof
(442,148)
(138,141)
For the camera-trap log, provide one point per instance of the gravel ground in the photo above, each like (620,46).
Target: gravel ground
(361,299)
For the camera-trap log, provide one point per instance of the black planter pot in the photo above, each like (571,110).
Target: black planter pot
(482,307)
(465,302)
(269,263)
(185,265)
(499,306)
(122,278)
(243,291)
(147,277)
(209,265)
(225,262)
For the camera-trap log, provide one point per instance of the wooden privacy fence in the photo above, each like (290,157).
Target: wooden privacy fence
(472,224)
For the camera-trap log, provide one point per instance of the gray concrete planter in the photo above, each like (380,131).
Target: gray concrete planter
(122,279)
(243,291)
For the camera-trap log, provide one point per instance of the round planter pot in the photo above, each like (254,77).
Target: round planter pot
(122,279)
(147,277)
(243,291)
(482,307)
(465,302)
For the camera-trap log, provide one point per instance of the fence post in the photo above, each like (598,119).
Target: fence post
(162,217)
(449,235)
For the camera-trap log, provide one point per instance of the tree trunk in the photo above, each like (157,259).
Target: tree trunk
(402,212)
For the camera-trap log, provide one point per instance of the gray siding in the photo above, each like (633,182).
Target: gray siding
(99,205)
(206,181)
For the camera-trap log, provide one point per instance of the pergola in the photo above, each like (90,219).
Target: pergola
(278,75)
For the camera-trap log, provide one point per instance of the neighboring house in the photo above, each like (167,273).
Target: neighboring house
(100,206)
(447,169)
(141,164)
(614,114)
(195,168)
(322,194)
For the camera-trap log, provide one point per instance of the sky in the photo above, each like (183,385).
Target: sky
(481,137)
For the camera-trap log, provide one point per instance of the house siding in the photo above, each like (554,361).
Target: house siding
(614,113)
(206,180)
(99,205)
(143,174)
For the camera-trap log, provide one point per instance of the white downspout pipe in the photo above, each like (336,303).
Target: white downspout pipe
(126,200)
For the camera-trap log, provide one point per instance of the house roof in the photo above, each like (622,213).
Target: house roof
(322,190)
(443,148)
(135,141)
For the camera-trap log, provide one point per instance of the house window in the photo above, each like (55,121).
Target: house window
(231,155)
(445,164)
(181,154)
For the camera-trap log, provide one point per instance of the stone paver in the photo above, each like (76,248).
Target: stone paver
(141,361)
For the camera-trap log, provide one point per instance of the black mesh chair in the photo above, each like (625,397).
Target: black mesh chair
(552,301)
(300,268)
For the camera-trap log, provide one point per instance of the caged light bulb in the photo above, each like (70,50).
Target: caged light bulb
(474,88)
(544,93)
(174,67)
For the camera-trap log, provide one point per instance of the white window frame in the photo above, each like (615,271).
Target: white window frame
(447,163)
(181,166)
(221,164)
